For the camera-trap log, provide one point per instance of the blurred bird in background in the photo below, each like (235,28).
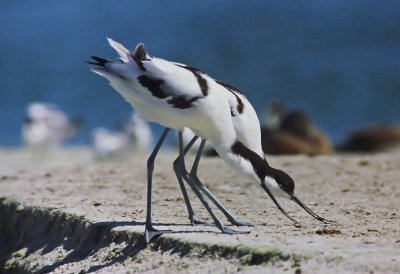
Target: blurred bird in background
(46,126)
(140,131)
(376,138)
(291,133)
(135,136)
(107,144)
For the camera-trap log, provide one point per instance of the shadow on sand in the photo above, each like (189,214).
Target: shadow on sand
(44,230)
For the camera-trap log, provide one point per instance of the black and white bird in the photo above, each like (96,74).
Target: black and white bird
(178,96)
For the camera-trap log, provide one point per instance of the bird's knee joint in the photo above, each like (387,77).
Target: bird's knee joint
(176,162)
(150,164)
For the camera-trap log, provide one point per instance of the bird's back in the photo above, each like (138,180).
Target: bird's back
(178,96)
(244,119)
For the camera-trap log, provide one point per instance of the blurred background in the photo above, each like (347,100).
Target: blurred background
(337,60)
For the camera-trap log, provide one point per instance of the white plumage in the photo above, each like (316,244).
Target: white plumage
(178,96)
(188,135)
(208,117)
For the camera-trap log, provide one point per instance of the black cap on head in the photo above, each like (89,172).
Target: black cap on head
(283,179)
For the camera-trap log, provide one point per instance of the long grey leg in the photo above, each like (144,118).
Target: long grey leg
(216,220)
(179,166)
(203,188)
(178,171)
(150,231)
(186,177)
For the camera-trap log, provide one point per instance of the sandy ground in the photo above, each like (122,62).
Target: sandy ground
(360,193)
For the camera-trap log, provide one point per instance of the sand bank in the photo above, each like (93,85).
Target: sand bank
(66,212)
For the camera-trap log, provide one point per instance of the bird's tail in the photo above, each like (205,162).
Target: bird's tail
(120,49)
(138,54)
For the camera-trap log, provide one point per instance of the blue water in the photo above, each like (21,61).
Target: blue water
(337,60)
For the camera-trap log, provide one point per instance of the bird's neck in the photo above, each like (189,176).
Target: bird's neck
(246,161)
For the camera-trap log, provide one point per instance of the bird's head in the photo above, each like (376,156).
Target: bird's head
(274,181)
(278,183)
